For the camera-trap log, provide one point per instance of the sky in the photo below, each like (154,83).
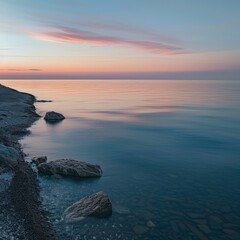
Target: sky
(132,39)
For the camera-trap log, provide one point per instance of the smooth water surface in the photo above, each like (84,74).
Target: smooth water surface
(170,152)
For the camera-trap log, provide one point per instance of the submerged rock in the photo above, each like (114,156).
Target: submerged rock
(69,167)
(96,205)
(8,156)
(53,116)
(39,160)
(121,210)
(140,229)
(150,224)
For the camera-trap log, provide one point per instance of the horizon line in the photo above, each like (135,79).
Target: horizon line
(233,74)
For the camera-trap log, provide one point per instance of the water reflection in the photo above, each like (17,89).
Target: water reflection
(169,152)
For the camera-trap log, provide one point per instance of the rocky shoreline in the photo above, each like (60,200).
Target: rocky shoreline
(21,213)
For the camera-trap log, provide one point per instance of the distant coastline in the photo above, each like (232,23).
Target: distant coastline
(232,74)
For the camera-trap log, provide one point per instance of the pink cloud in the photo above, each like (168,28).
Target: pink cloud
(22,70)
(71,35)
(121,27)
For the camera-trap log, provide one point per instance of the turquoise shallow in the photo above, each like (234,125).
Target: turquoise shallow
(169,150)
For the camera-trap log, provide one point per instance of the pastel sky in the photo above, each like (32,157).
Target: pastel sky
(120,39)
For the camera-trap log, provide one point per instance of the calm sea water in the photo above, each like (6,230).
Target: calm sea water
(170,152)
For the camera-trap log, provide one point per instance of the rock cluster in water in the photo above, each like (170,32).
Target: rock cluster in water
(95,205)
(69,167)
(53,117)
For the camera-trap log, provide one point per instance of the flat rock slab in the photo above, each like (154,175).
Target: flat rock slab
(8,156)
(96,205)
(53,116)
(69,167)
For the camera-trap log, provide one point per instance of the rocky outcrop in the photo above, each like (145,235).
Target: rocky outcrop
(20,206)
(8,156)
(69,167)
(96,205)
(43,101)
(53,117)
(39,160)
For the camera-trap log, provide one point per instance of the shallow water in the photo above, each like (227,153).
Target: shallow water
(169,151)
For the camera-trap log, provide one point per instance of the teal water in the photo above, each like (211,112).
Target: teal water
(169,150)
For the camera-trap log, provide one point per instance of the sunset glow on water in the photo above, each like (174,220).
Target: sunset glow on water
(169,152)
(148,90)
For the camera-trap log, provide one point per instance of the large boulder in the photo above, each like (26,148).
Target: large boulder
(69,167)
(8,156)
(53,116)
(96,205)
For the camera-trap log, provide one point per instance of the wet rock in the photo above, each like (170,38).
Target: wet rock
(53,116)
(150,224)
(140,229)
(39,160)
(121,210)
(96,205)
(56,176)
(8,156)
(69,167)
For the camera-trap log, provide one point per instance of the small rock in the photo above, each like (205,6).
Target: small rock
(96,205)
(53,116)
(121,210)
(39,160)
(150,224)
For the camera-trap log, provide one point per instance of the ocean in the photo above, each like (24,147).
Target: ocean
(169,150)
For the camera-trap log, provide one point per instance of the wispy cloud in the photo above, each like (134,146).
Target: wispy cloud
(22,70)
(14,70)
(72,35)
(34,69)
(126,28)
